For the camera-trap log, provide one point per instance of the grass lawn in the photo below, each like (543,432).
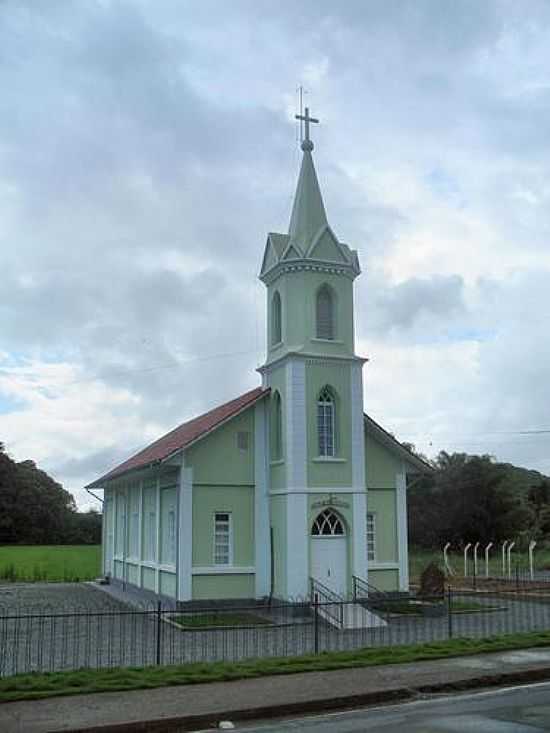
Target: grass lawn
(415,608)
(208,620)
(49,562)
(39,685)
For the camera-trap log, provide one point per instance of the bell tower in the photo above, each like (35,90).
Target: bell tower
(316,438)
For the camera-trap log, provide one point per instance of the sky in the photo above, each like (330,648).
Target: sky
(146,150)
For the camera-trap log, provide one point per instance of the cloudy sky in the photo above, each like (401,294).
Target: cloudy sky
(146,148)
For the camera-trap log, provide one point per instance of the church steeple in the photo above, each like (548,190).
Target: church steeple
(308,211)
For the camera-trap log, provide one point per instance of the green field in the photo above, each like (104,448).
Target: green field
(69,563)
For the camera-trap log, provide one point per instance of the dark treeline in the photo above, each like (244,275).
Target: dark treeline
(475,498)
(36,510)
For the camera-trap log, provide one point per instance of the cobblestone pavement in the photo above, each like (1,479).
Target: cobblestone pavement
(49,627)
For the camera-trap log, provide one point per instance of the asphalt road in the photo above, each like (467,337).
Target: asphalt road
(523,709)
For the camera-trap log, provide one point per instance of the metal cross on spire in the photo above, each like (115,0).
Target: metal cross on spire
(307,144)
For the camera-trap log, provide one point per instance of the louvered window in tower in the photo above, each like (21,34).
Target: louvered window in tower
(326,423)
(325,313)
(276,320)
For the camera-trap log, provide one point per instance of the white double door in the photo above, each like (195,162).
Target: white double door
(329,562)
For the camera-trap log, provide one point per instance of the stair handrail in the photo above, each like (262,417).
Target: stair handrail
(326,598)
(366,589)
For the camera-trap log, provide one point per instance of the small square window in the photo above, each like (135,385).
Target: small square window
(242,440)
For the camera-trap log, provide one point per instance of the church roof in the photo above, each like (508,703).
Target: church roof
(183,435)
(394,445)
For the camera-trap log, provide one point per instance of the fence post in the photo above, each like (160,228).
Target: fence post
(450,611)
(159,621)
(316,623)
(517,576)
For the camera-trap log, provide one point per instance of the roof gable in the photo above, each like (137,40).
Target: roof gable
(378,432)
(184,435)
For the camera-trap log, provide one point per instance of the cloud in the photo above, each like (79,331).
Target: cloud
(146,150)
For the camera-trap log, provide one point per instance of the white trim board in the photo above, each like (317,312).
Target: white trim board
(318,490)
(223,570)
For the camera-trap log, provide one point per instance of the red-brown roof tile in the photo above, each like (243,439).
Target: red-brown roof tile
(183,435)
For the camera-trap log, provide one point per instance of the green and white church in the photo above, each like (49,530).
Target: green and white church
(288,485)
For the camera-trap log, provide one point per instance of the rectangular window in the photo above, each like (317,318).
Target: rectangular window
(150,524)
(120,549)
(371,537)
(222,539)
(168,526)
(325,423)
(133,540)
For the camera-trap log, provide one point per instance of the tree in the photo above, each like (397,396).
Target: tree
(36,509)
(468,499)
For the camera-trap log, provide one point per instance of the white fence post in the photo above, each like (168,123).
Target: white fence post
(532,546)
(466,558)
(504,544)
(446,562)
(475,558)
(487,559)
(510,548)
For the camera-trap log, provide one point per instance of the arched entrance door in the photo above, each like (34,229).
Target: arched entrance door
(329,555)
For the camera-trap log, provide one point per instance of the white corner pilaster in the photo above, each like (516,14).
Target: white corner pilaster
(359,484)
(158,538)
(402,533)
(297,535)
(261,502)
(297,543)
(185,533)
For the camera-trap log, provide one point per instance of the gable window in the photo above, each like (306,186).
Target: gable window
(371,537)
(326,423)
(325,313)
(223,551)
(276,428)
(276,320)
(243,440)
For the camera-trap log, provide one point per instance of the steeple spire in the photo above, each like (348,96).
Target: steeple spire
(308,210)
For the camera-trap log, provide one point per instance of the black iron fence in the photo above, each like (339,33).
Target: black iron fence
(51,639)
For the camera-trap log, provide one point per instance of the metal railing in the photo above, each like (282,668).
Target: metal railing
(105,634)
(328,603)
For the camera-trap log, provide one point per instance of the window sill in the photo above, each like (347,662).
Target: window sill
(329,459)
(278,462)
(223,570)
(326,341)
(275,346)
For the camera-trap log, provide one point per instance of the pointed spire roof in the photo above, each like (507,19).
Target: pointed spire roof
(310,238)
(308,211)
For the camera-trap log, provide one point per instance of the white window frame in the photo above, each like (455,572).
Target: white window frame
(371,536)
(229,562)
(325,408)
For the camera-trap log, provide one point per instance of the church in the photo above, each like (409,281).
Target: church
(290,486)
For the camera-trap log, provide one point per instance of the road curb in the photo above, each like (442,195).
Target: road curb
(399,694)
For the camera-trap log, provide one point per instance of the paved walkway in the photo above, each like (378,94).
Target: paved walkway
(200,706)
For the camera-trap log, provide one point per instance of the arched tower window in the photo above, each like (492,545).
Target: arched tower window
(326,422)
(276,428)
(325,313)
(276,319)
(328,524)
